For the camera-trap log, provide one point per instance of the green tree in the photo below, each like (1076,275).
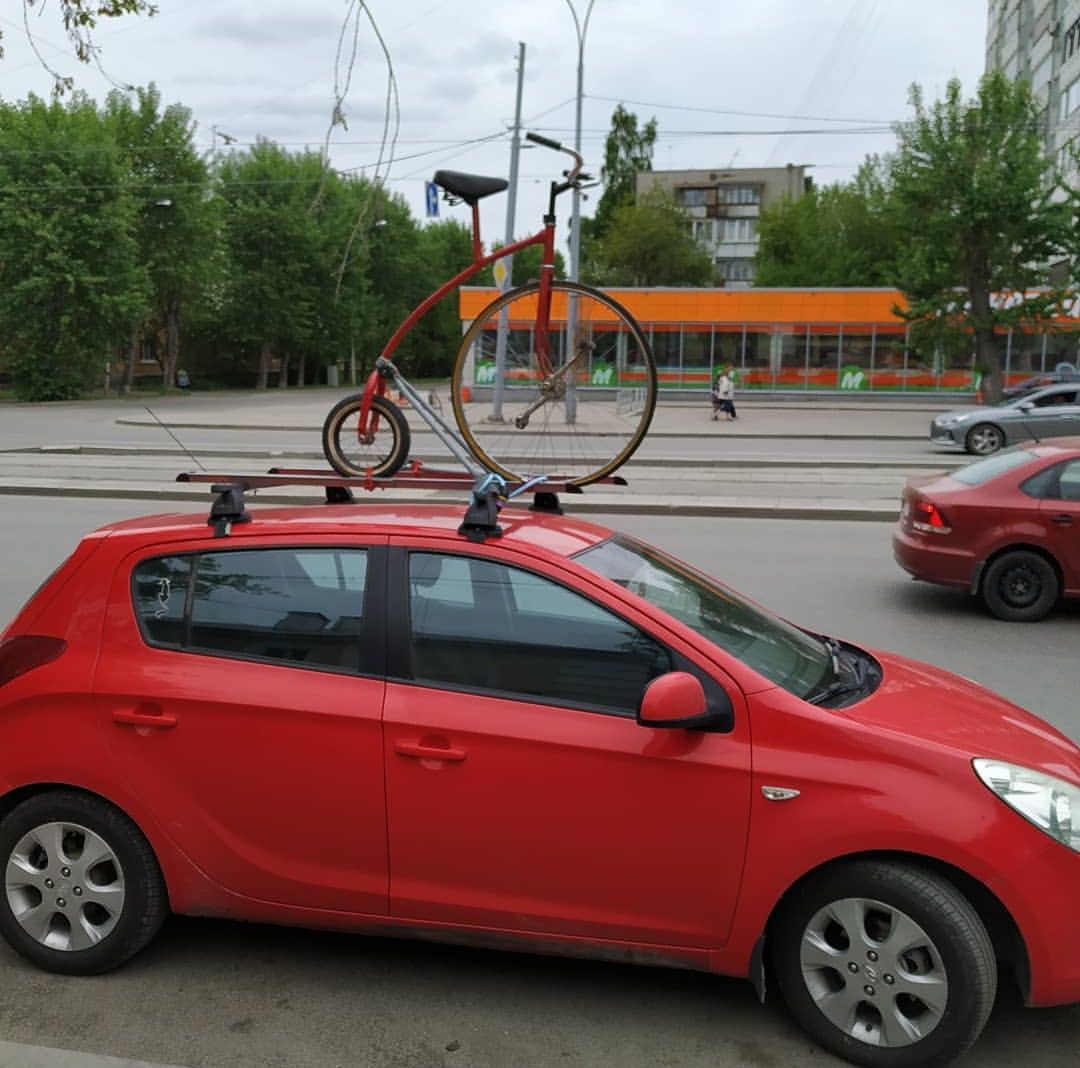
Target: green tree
(628,150)
(80,18)
(973,195)
(276,254)
(71,282)
(839,235)
(648,244)
(177,231)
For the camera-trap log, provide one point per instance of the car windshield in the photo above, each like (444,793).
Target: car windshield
(774,648)
(975,474)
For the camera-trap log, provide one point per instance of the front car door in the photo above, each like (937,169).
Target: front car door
(522,794)
(243,690)
(1054,413)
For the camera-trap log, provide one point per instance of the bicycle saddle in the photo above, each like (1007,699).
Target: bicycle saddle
(469,187)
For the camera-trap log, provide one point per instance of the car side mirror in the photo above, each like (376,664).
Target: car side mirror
(1025,406)
(676,699)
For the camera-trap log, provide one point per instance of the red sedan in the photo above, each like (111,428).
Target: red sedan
(560,739)
(1007,528)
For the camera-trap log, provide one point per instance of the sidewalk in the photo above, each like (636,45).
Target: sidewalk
(782,458)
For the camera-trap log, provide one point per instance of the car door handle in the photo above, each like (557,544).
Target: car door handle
(419,751)
(1062,519)
(144,716)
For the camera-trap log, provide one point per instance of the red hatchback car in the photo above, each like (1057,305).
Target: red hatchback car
(1007,528)
(362,717)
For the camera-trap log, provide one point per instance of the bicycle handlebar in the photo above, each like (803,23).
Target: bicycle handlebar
(574,172)
(545,141)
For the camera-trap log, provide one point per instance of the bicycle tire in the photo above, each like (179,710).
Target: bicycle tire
(353,458)
(616,399)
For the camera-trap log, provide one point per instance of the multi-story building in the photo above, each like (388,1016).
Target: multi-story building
(1039,41)
(724,206)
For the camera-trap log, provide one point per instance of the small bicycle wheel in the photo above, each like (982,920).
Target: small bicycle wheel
(584,414)
(380,451)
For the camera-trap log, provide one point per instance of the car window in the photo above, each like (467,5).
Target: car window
(975,474)
(302,606)
(521,635)
(1069,483)
(1052,400)
(771,646)
(160,592)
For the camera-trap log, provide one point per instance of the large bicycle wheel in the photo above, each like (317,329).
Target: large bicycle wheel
(379,452)
(581,417)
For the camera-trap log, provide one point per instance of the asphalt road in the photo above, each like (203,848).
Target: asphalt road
(209,994)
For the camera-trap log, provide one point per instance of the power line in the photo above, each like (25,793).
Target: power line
(739,114)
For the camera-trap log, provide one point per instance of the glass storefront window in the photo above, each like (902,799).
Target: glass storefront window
(1025,353)
(1062,346)
(696,356)
(823,359)
(666,341)
(787,355)
(857,358)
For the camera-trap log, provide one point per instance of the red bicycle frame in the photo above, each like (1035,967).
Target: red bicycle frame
(376,383)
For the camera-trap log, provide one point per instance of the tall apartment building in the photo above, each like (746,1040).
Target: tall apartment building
(1039,40)
(724,206)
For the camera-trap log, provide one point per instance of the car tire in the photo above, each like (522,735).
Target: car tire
(884,964)
(82,889)
(983,439)
(1020,586)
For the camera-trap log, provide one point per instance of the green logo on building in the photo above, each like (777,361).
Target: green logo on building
(485,373)
(853,378)
(604,375)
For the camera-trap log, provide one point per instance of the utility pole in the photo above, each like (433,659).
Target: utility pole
(511,207)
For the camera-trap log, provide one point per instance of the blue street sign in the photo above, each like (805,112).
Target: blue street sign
(431,191)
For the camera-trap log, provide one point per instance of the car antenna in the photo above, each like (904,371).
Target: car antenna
(191,455)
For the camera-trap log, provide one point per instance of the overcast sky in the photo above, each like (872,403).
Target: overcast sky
(727,82)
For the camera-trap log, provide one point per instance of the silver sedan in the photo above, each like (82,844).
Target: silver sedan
(1049,412)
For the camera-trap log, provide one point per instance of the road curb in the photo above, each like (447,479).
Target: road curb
(315,432)
(935,463)
(575,504)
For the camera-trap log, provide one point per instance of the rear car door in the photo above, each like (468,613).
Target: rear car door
(243,688)
(522,794)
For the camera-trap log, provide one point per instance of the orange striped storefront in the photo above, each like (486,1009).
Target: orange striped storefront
(805,340)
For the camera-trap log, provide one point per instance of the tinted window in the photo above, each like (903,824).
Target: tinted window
(304,606)
(1069,483)
(161,589)
(489,627)
(975,474)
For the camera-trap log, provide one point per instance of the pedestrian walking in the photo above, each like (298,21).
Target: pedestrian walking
(724,395)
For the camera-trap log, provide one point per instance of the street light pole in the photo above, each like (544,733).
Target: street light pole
(581,27)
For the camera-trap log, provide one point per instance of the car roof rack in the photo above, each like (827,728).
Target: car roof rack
(487,494)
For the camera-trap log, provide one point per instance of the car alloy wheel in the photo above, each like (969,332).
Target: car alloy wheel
(82,889)
(884,964)
(984,439)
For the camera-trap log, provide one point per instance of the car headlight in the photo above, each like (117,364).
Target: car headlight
(947,420)
(1041,799)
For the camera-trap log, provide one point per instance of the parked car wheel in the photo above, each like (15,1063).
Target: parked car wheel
(984,438)
(886,965)
(82,888)
(1020,586)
